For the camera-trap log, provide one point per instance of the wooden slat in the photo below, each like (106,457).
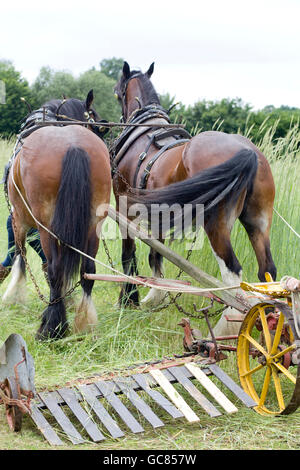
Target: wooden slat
(211,388)
(232,386)
(194,392)
(61,418)
(91,398)
(43,425)
(137,401)
(70,398)
(157,397)
(120,408)
(174,395)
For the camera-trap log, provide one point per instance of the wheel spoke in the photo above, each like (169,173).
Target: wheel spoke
(284,351)
(269,380)
(255,344)
(277,334)
(252,371)
(285,372)
(265,328)
(278,389)
(265,387)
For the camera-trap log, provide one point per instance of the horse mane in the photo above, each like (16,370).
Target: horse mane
(150,95)
(72,107)
(148,89)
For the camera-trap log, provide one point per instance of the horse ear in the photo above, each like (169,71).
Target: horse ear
(150,70)
(126,70)
(89,99)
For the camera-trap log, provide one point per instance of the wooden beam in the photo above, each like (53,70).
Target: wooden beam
(235,299)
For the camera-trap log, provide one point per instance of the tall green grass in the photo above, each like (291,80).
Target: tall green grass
(125,337)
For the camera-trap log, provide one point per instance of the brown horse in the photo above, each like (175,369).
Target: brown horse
(226,173)
(62,174)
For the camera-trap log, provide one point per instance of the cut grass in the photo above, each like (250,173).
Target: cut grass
(125,337)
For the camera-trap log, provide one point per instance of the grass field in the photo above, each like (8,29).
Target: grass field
(124,337)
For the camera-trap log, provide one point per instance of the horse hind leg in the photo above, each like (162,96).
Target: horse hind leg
(257,224)
(54,323)
(86,315)
(16,289)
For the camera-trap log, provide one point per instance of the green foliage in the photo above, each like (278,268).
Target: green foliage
(50,84)
(112,67)
(233,116)
(227,115)
(53,85)
(104,101)
(14,109)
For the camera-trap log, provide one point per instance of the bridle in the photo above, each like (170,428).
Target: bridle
(123,93)
(90,119)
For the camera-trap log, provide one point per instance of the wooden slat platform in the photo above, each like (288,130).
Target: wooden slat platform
(90,403)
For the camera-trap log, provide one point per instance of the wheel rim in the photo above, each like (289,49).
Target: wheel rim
(267,378)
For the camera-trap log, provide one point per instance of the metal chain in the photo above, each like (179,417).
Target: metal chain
(23,254)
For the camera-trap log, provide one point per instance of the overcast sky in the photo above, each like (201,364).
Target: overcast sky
(210,49)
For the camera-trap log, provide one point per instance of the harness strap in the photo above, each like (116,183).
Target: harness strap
(166,147)
(142,157)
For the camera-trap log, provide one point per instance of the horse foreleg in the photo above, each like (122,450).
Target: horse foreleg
(155,296)
(129,294)
(86,315)
(16,289)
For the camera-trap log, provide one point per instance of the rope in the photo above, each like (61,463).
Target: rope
(283,219)
(144,283)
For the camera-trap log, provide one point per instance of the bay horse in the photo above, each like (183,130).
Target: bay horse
(225,172)
(59,177)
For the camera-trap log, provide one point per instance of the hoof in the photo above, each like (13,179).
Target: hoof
(154,298)
(129,299)
(45,334)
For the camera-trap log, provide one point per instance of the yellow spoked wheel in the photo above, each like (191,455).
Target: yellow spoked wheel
(264,350)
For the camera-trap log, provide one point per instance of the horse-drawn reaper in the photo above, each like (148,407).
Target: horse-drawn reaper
(230,177)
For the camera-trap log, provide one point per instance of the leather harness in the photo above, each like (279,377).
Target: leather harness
(163,139)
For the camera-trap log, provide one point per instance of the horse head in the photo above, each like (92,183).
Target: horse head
(81,110)
(134,90)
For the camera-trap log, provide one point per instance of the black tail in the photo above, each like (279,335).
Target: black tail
(72,213)
(222,183)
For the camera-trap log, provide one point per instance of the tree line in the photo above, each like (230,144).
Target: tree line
(227,115)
